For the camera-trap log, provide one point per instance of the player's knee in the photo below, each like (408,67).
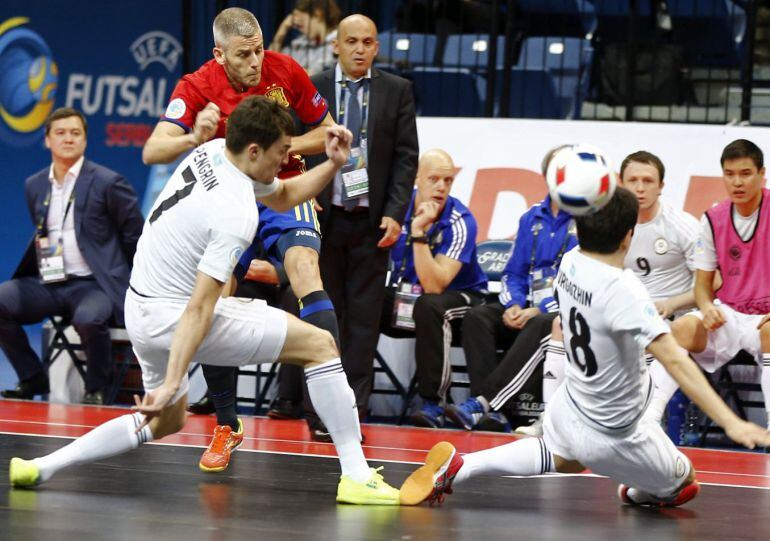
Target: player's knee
(685,331)
(322,346)
(764,330)
(427,306)
(170,422)
(567,466)
(301,263)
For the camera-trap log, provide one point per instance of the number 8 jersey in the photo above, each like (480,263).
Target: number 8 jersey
(608,320)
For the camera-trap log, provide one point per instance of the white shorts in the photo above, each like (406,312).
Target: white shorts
(243,331)
(739,332)
(643,458)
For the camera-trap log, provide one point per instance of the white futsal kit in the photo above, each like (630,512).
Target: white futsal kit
(202,221)
(595,418)
(662,252)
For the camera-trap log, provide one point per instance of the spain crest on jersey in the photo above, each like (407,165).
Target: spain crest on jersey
(276,94)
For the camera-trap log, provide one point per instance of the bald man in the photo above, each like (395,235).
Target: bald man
(435,280)
(363,208)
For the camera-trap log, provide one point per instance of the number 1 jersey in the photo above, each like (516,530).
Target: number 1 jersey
(608,321)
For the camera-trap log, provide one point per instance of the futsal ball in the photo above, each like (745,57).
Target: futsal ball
(580,179)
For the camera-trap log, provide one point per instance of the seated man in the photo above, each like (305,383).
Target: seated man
(733,238)
(436,278)
(87,223)
(520,321)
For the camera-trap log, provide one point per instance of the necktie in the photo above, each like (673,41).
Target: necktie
(353,120)
(353,123)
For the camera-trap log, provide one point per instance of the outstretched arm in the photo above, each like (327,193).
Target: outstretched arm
(694,385)
(188,336)
(296,190)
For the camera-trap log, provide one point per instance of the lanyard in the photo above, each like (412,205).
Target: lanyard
(431,246)
(557,259)
(42,224)
(364,105)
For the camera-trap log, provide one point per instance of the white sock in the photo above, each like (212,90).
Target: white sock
(554,365)
(765,383)
(665,387)
(484,403)
(527,456)
(335,403)
(109,439)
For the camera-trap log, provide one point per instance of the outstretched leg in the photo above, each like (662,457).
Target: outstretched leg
(114,437)
(444,467)
(335,403)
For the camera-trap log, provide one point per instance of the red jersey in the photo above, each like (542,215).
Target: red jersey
(283,80)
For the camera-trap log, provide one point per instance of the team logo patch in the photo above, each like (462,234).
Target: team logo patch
(735,252)
(235,255)
(650,311)
(317,99)
(176,109)
(699,248)
(681,469)
(276,94)
(660,246)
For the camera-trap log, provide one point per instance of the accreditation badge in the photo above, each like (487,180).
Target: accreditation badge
(50,261)
(355,178)
(542,286)
(403,305)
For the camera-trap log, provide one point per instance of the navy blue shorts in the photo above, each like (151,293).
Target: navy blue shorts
(279,231)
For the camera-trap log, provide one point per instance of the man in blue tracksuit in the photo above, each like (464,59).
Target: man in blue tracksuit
(520,322)
(435,279)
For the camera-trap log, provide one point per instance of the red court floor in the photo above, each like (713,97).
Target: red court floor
(384,443)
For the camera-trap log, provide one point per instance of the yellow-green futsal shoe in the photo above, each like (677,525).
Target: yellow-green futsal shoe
(374,491)
(23,473)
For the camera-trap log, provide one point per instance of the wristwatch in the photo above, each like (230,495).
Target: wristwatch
(422,239)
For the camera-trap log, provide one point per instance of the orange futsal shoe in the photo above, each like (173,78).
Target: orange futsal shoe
(225,441)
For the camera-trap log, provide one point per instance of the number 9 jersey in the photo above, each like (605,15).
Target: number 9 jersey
(608,320)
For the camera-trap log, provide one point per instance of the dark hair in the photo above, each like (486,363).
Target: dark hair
(259,120)
(642,156)
(743,148)
(603,231)
(329,9)
(549,156)
(65,112)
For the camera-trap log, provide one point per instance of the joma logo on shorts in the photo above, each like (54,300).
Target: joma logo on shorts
(305,233)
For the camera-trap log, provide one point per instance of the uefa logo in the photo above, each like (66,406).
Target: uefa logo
(28,79)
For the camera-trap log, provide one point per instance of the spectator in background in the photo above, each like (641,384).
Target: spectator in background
(362,219)
(87,223)
(435,280)
(316,21)
(520,322)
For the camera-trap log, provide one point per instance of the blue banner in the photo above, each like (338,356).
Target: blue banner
(116,61)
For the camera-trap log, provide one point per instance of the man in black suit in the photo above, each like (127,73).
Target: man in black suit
(87,223)
(363,208)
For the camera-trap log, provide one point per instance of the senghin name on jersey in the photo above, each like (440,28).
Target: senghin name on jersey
(205,171)
(579,294)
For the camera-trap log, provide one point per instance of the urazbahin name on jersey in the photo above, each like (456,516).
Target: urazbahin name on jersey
(579,294)
(205,171)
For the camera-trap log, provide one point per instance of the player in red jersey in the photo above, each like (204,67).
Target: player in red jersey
(197,112)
